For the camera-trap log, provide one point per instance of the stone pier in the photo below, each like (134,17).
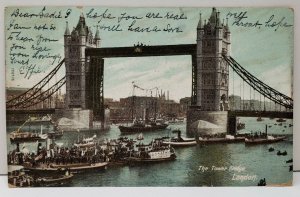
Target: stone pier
(77,118)
(211,122)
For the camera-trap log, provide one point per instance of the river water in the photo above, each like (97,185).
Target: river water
(209,165)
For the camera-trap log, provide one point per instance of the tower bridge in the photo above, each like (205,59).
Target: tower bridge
(211,62)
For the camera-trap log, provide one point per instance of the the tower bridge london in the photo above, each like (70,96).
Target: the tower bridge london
(211,62)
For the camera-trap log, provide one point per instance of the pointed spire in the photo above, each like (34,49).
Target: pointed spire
(218,22)
(97,35)
(81,15)
(200,23)
(81,23)
(81,30)
(227,24)
(213,16)
(67,31)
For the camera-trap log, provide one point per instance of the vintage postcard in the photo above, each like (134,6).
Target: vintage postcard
(99,96)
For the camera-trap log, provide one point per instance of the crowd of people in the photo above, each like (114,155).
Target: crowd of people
(109,151)
(70,155)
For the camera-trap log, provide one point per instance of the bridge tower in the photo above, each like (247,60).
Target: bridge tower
(213,41)
(79,72)
(75,44)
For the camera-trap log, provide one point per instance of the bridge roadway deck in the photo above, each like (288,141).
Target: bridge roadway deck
(32,111)
(239,113)
(270,114)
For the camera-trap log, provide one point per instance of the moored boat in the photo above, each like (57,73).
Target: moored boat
(18,176)
(240,125)
(26,136)
(55,134)
(180,141)
(74,168)
(226,139)
(141,127)
(50,181)
(281,120)
(144,124)
(156,151)
(264,140)
(259,119)
(86,142)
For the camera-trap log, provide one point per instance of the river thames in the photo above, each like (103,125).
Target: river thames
(207,165)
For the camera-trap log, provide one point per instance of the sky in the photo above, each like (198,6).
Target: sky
(266,52)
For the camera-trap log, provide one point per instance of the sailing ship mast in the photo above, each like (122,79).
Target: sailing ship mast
(132,104)
(133,101)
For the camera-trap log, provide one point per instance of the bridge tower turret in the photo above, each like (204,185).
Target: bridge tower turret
(97,38)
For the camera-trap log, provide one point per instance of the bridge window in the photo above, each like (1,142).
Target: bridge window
(74,95)
(208,32)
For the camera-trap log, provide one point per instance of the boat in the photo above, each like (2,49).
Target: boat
(264,140)
(280,120)
(176,120)
(72,167)
(259,119)
(44,119)
(55,134)
(61,180)
(80,167)
(140,136)
(19,177)
(271,149)
(156,151)
(144,125)
(180,141)
(240,125)
(226,139)
(284,153)
(26,136)
(86,142)
(262,182)
(221,140)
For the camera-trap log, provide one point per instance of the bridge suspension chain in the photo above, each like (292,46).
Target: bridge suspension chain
(32,92)
(259,86)
(43,95)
